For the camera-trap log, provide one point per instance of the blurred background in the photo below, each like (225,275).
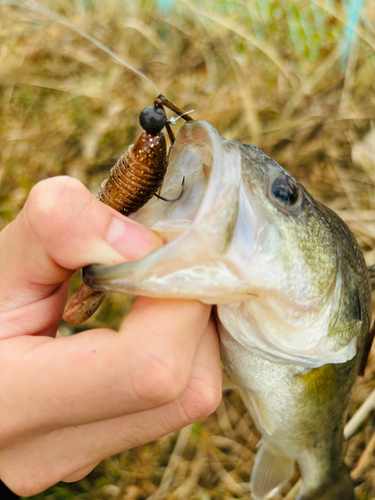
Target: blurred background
(296,78)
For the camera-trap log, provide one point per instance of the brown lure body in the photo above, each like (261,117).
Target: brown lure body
(137,175)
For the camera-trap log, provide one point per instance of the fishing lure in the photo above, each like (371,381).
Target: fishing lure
(134,179)
(139,173)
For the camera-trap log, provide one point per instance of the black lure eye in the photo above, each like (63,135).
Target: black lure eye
(285,192)
(152,119)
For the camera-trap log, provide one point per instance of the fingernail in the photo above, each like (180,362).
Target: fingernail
(130,239)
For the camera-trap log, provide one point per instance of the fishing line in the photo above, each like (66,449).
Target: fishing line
(39,8)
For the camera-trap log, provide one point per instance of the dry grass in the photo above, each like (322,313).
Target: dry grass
(260,72)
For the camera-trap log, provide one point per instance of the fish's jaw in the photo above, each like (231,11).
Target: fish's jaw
(165,274)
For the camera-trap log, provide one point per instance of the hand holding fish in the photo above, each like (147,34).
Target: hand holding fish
(69,402)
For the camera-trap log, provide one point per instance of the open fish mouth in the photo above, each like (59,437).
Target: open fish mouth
(203,239)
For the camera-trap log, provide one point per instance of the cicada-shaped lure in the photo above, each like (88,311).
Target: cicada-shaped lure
(139,173)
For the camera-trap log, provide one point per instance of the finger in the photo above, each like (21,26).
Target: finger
(79,474)
(42,317)
(72,452)
(101,374)
(61,228)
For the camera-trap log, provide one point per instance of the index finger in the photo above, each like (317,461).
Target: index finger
(102,374)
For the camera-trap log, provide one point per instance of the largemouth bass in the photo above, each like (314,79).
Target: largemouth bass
(291,291)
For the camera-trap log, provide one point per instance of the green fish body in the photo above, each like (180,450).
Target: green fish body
(292,298)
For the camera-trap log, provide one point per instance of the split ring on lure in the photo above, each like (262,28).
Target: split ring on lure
(135,178)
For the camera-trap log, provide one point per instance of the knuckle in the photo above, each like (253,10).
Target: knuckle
(47,199)
(159,381)
(50,193)
(201,399)
(79,475)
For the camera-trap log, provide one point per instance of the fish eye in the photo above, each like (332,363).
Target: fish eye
(285,192)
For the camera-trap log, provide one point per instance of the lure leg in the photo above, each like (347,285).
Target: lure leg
(162,100)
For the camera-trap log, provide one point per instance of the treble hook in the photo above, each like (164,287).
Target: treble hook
(175,199)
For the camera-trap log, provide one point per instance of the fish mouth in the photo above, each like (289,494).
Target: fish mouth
(197,260)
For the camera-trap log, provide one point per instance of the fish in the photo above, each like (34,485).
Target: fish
(291,294)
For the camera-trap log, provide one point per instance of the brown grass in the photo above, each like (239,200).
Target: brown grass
(279,81)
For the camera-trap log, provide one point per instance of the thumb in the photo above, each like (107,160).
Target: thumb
(61,228)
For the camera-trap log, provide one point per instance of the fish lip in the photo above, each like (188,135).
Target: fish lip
(195,135)
(95,275)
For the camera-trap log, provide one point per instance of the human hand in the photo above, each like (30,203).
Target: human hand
(67,403)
